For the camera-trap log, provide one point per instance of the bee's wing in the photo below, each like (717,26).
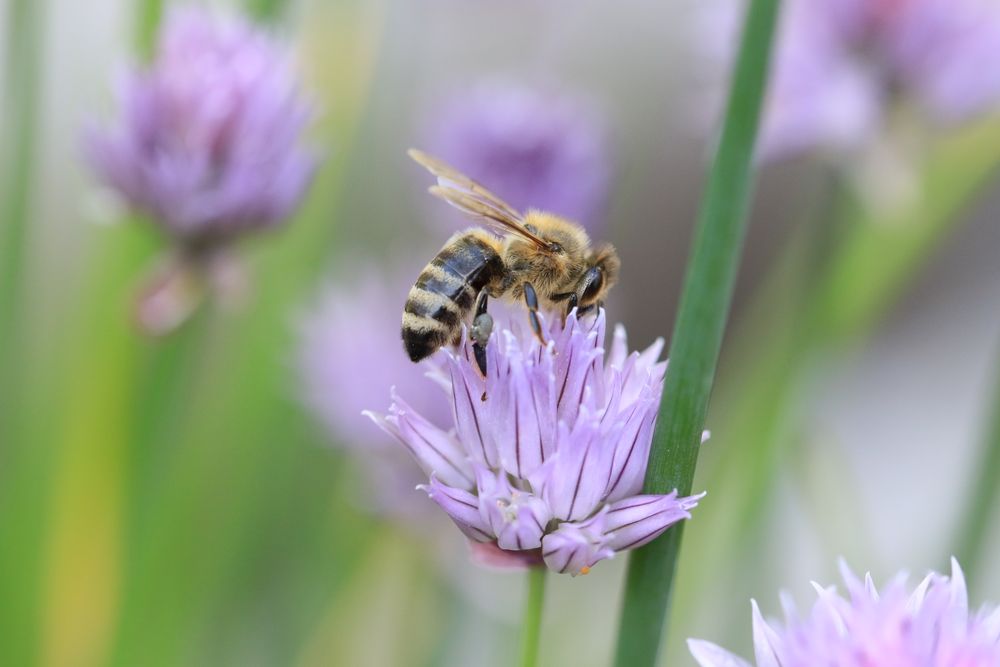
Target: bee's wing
(472,198)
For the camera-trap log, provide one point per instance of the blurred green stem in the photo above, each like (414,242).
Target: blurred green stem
(147,23)
(975,527)
(24,47)
(531,628)
(266,10)
(164,392)
(22,486)
(697,338)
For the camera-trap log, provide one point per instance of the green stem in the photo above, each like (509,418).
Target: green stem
(24,48)
(22,481)
(532,624)
(147,23)
(697,339)
(166,388)
(976,527)
(266,10)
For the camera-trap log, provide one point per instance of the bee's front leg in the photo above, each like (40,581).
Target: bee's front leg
(482,327)
(571,303)
(531,301)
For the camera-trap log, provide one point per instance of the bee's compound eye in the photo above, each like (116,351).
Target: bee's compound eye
(555,247)
(594,287)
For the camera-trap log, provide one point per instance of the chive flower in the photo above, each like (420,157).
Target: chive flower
(930,626)
(841,66)
(544,458)
(535,147)
(206,145)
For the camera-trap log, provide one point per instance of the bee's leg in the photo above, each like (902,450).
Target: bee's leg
(482,326)
(531,300)
(571,303)
(592,281)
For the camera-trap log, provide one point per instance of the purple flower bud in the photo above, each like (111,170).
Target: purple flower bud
(208,140)
(555,438)
(930,627)
(534,148)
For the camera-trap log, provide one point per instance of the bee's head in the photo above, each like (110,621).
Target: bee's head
(562,262)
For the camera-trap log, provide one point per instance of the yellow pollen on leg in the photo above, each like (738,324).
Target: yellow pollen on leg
(584,570)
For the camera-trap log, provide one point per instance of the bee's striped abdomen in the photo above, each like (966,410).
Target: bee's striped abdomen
(445,292)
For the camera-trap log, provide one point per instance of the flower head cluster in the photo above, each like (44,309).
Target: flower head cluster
(208,141)
(928,627)
(547,453)
(532,147)
(839,64)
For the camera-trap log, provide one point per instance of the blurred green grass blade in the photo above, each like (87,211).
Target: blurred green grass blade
(697,338)
(975,525)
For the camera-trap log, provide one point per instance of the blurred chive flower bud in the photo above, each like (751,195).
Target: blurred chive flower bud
(545,458)
(535,148)
(349,351)
(928,627)
(207,145)
(840,66)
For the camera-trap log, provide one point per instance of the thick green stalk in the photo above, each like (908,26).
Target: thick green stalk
(531,628)
(975,526)
(697,339)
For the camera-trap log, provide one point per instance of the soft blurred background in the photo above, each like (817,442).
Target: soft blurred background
(212,496)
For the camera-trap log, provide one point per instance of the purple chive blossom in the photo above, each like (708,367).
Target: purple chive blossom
(928,627)
(349,352)
(208,140)
(207,146)
(839,66)
(544,459)
(533,147)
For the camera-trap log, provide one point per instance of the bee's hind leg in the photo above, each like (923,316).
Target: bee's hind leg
(482,327)
(531,301)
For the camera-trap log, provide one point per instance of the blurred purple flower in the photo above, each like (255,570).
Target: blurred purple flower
(534,148)
(208,141)
(930,627)
(839,64)
(547,455)
(349,354)
(208,147)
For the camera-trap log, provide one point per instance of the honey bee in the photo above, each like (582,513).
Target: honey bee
(543,258)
